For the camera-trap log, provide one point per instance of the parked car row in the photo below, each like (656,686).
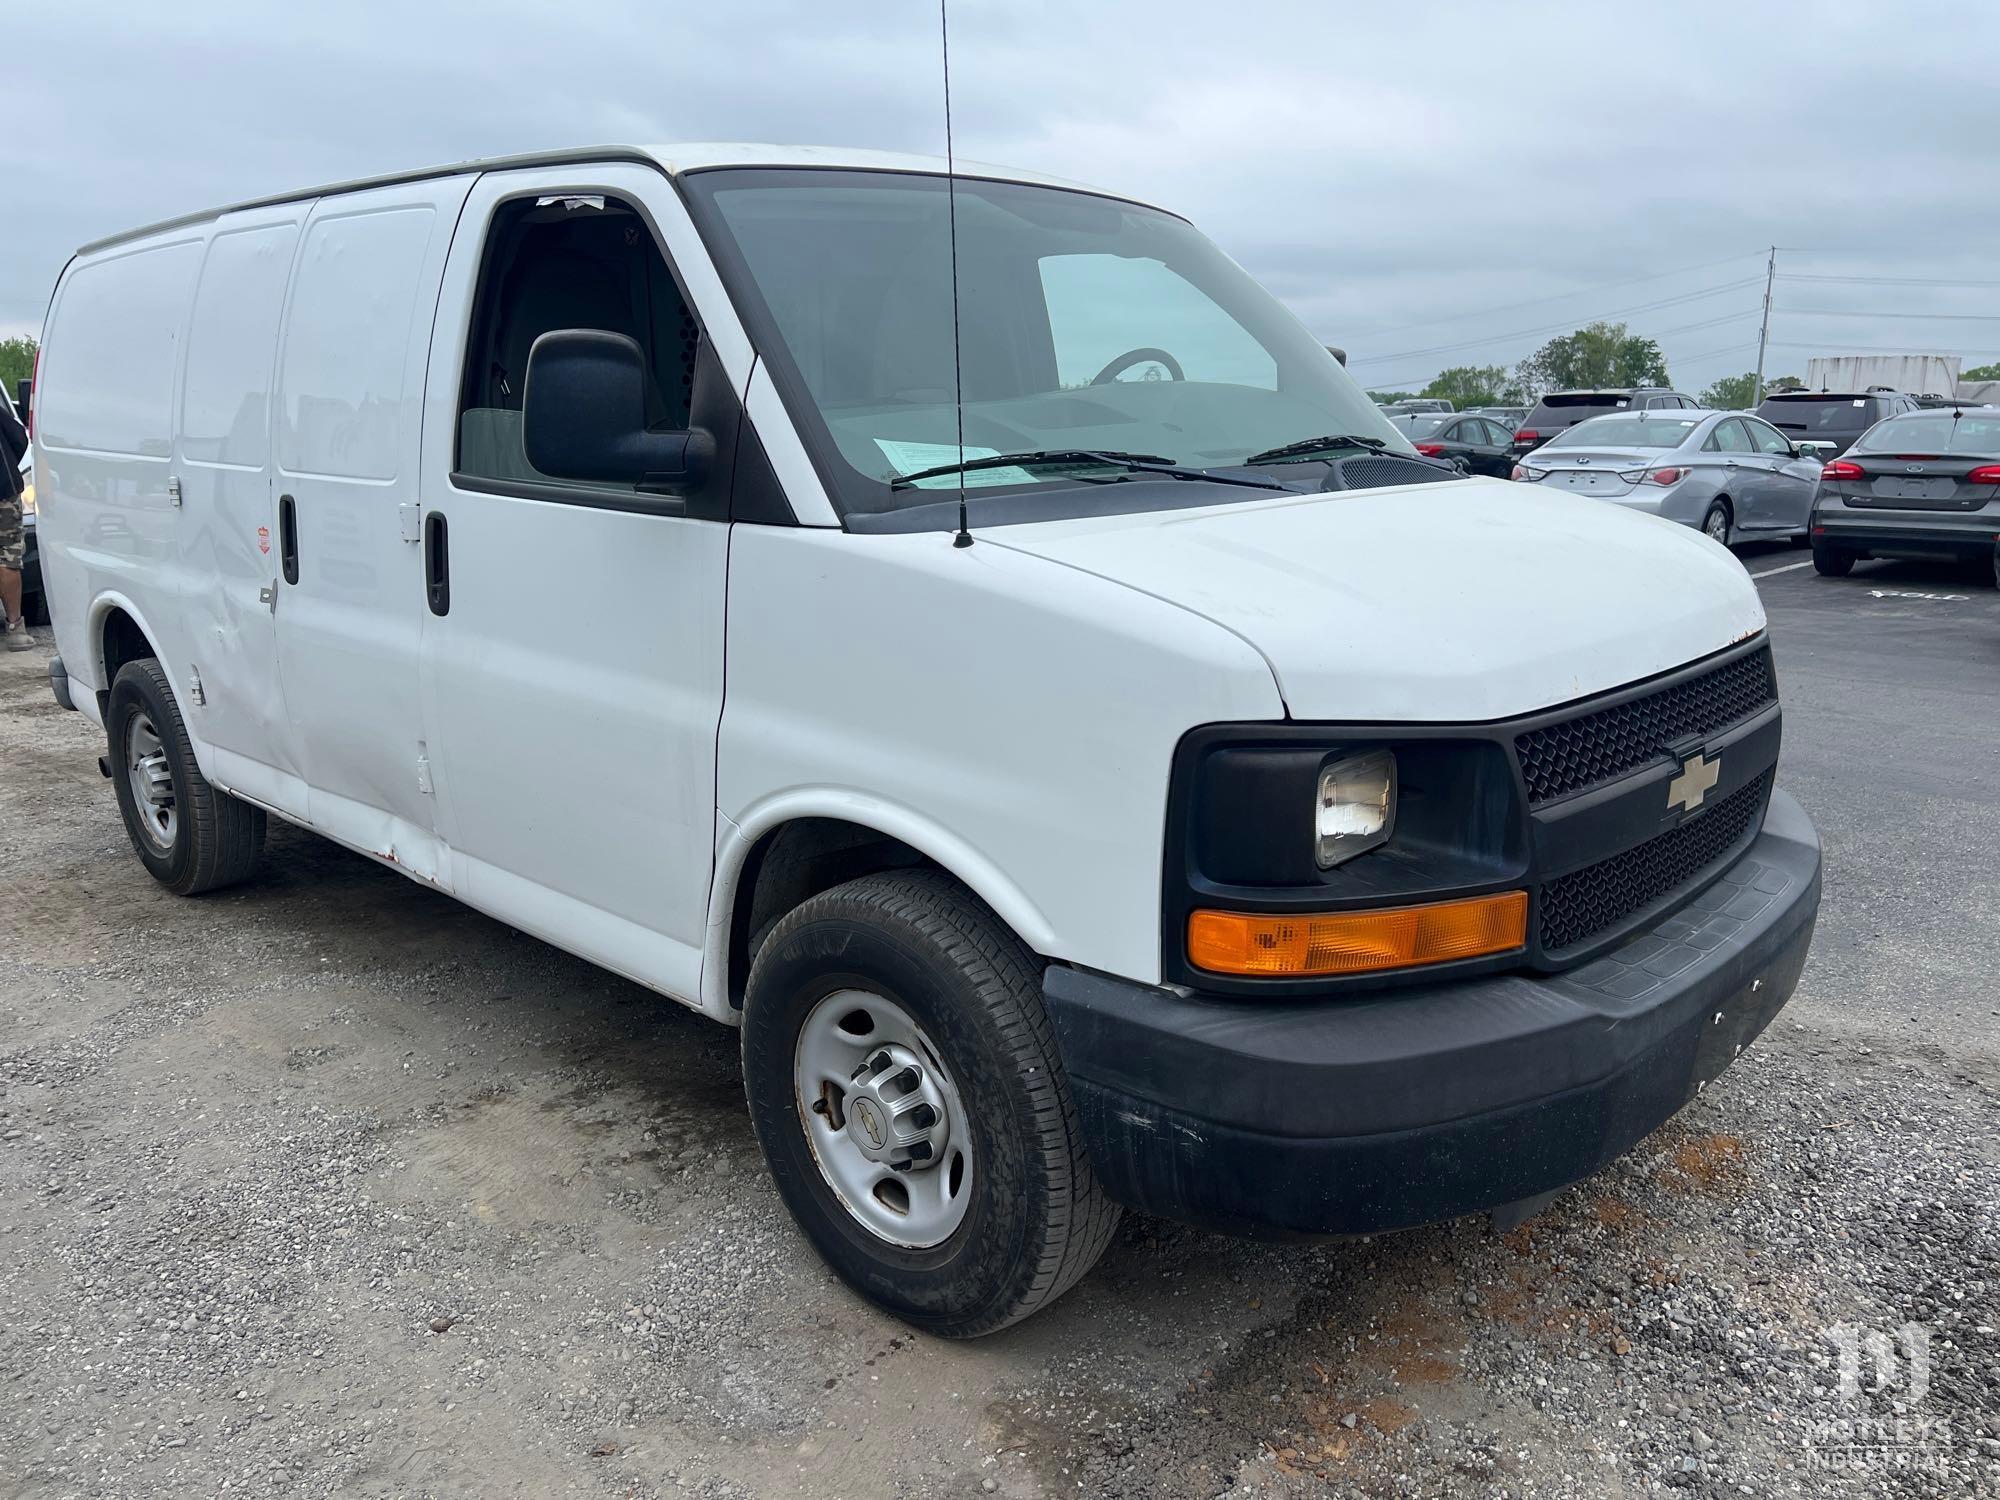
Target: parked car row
(1914,481)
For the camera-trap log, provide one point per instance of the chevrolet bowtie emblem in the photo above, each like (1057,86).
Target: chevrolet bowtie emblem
(1697,779)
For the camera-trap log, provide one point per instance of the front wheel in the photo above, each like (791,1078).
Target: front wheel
(192,837)
(905,1088)
(1831,562)
(1715,525)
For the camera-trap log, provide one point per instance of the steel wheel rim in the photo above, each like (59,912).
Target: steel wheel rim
(865,1120)
(152,782)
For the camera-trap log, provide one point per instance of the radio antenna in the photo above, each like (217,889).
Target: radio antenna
(964,537)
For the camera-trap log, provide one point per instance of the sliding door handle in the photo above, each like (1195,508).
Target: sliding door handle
(288,538)
(437,563)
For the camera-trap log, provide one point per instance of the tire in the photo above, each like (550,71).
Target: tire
(1831,562)
(1716,522)
(206,838)
(918,944)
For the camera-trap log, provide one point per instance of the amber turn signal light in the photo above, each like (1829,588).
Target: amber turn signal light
(1267,946)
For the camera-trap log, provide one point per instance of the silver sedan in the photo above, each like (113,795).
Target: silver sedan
(1728,473)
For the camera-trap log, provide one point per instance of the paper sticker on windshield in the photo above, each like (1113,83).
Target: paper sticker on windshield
(914,458)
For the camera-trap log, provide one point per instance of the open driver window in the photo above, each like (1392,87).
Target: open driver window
(566,261)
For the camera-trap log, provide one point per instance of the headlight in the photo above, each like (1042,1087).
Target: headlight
(1356,808)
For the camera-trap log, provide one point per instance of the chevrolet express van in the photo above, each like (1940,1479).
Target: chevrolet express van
(1239,817)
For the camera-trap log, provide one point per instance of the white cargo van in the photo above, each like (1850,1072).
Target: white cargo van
(1240,818)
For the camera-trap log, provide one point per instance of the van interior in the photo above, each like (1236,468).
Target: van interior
(566,262)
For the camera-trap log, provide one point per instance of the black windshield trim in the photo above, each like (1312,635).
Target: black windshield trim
(1024,506)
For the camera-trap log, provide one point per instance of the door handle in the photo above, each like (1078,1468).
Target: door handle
(437,563)
(288,538)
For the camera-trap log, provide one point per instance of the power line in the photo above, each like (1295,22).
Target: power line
(1841,312)
(1667,333)
(1872,348)
(1695,359)
(1884,280)
(1593,286)
(1568,323)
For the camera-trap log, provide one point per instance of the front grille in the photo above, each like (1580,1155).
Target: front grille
(1376,472)
(1579,906)
(1595,747)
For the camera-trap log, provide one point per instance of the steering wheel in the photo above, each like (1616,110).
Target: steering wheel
(1133,357)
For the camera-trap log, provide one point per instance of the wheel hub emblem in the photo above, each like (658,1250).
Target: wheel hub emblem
(870,1122)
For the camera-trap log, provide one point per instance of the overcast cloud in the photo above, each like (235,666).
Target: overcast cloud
(1402,175)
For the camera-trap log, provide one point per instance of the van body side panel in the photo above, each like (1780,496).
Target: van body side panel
(996,703)
(227,536)
(346,436)
(573,686)
(104,445)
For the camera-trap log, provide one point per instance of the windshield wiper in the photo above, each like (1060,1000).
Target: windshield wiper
(1142,463)
(1298,452)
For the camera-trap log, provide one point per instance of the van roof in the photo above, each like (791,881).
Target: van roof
(689,156)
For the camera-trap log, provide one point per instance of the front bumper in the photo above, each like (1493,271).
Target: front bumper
(1412,1106)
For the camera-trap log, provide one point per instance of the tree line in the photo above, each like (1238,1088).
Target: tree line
(17,361)
(1596,357)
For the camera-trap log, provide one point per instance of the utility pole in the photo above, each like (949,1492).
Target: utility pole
(1764,329)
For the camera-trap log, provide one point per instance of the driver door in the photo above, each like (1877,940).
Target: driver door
(573,632)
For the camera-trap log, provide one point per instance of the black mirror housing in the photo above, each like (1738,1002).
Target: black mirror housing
(583,414)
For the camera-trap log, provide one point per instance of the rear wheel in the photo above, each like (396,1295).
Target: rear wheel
(1716,524)
(1831,562)
(906,1091)
(192,837)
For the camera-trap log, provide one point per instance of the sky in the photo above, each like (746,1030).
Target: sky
(1426,185)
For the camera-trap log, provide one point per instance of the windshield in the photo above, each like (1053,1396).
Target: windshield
(1976,433)
(1627,430)
(1086,324)
(1819,413)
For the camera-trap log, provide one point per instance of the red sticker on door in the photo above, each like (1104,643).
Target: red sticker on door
(264,540)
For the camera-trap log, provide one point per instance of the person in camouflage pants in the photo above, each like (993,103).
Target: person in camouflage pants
(13,445)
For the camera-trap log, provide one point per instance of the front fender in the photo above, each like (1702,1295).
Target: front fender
(949,851)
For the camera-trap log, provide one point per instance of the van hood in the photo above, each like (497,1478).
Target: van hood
(1459,602)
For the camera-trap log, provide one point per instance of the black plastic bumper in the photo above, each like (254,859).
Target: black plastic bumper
(1940,534)
(59,683)
(1347,1116)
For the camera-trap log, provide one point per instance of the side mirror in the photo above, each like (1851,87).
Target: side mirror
(1812,449)
(583,414)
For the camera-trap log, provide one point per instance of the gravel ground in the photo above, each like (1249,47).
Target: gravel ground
(329,1185)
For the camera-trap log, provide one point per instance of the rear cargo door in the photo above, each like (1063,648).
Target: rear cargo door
(347,436)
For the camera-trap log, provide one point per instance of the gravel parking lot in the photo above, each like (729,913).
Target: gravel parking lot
(327,1184)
